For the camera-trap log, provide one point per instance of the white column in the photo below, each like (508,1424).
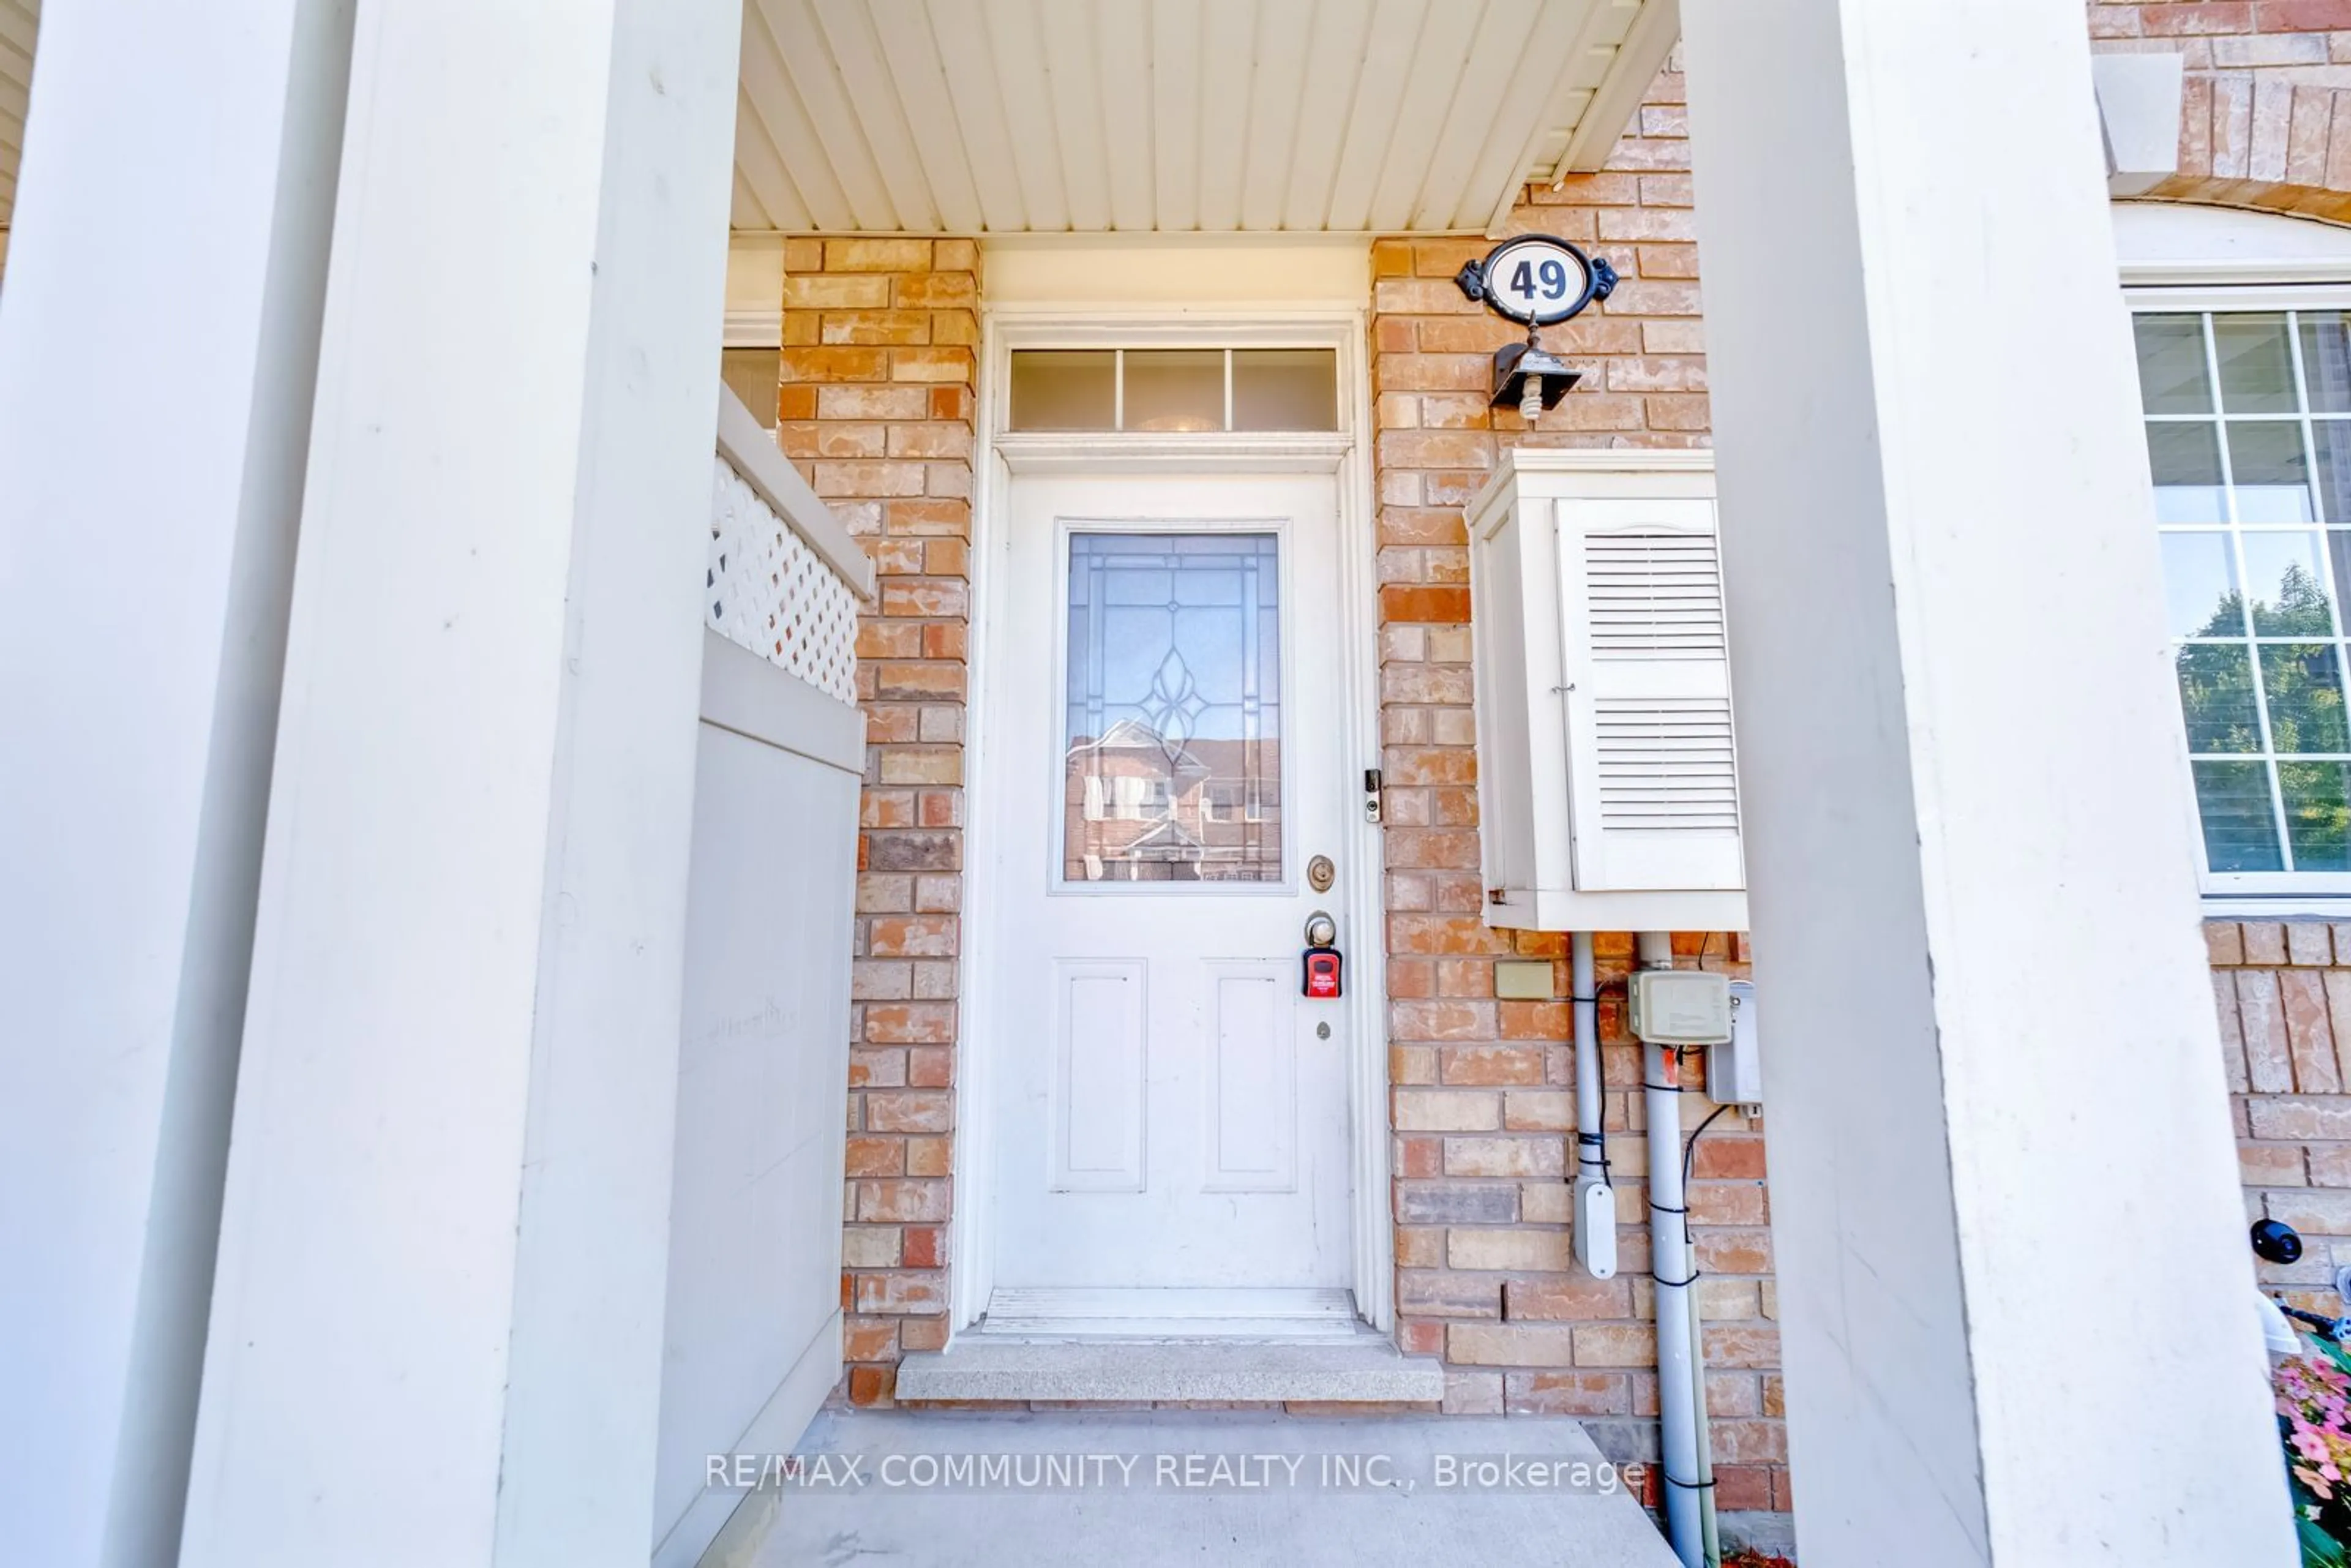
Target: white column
(158,342)
(436,1330)
(2013,1280)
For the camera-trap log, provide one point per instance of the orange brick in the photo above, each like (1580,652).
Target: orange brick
(869,1338)
(951,365)
(831,291)
(870,1069)
(925,1246)
(834,364)
(1549,1110)
(922,764)
(1567,1393)
(912,937)
(1730,1345)
(953,290)
(900,1201)
(887,327)
(875,479)
(910,1023)
(1719,1156)
(1512,1344)
(1504,1156)
(909,1111)
(877,256)
(933,438)
(1411,1064)
(2281,1164)
(1445,1110)
(1421,1338)
(869,1245)
(1614,1344)
(1432,372)
(1493,1065)
(870,402)
(1435,448)
(1469,331)
(1743,1487)
(1441,1020)
(1536,1020)
(1400,601)
(1521,1249)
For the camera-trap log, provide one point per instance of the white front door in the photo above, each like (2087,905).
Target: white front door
(1171,1126)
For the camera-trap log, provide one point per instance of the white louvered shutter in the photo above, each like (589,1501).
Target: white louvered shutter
(1653,788)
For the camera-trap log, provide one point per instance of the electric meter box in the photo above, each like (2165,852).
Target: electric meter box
(1680,1007)
(1608,790)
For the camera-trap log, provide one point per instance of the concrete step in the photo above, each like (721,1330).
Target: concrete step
(1364,1369)
(1139,1503)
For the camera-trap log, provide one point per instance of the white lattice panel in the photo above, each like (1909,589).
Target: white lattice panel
(767,591)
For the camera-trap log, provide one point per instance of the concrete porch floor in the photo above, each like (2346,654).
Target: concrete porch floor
(1301,1518)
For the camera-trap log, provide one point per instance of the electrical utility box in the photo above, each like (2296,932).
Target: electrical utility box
(1607,785)
(1679,1007)
(1734,1069)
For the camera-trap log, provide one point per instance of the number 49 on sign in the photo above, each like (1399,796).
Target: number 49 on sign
(1537,279)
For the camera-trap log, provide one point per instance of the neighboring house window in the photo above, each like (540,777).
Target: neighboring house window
(2248,436)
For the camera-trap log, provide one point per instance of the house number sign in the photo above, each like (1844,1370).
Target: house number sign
(1537,279)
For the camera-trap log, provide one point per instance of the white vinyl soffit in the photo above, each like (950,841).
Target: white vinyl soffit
(18,19)
(1055,116)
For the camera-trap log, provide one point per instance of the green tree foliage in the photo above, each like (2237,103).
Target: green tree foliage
(2305,688)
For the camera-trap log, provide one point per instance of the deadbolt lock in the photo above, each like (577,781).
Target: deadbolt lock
(1320,873)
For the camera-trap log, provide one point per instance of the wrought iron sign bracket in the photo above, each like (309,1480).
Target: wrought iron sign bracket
(1540,280)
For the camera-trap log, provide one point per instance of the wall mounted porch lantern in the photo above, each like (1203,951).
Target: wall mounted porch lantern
(1541,281)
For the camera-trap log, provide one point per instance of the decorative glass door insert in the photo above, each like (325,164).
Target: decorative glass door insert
(1171,738)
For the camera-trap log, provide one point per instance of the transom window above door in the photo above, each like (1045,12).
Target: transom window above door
(2249,437)
(1174,390)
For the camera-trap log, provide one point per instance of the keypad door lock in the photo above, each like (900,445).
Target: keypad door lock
(1322,961)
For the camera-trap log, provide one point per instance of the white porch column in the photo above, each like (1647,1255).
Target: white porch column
(158,342)
(2013,1277)
(436,1330)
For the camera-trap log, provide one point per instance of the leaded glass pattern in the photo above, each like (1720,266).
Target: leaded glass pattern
(1171,735)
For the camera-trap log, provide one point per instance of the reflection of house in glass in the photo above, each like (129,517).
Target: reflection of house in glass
(1140,809)
(1172,762)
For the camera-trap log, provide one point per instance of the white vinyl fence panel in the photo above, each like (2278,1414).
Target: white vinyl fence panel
(753,1336)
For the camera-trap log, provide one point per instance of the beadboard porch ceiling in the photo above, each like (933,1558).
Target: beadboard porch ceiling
(18,20)
(1049,116)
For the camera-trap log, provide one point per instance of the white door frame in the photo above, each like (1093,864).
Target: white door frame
(1346,454)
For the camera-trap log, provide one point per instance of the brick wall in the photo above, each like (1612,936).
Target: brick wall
(2310,38)
(2284,991)
(1483,1103)
(2267,115)
(876,407)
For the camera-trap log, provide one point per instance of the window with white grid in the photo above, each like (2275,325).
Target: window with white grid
(2248,435)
